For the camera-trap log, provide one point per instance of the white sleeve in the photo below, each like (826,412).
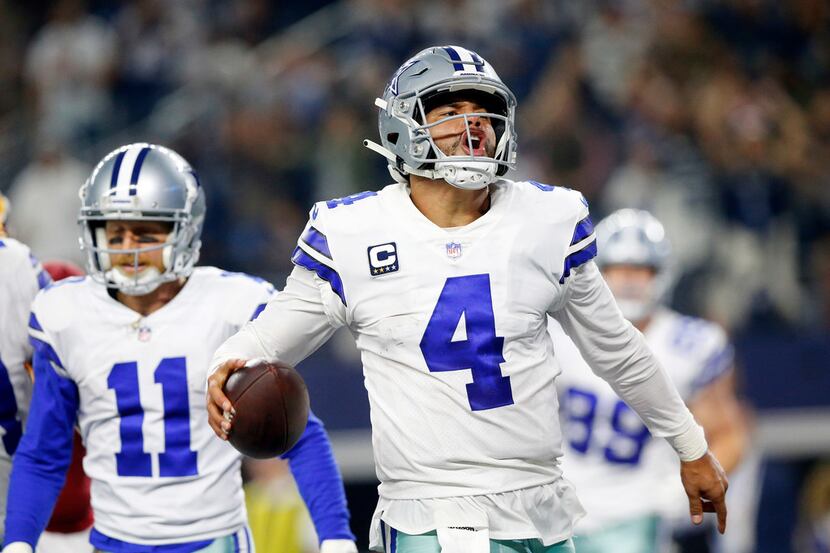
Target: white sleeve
(618,353)
(293,325)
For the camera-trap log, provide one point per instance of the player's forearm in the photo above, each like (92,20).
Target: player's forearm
(655,399)
(45,452)
(292,326)
(33,489)
(657,402)
(318,478)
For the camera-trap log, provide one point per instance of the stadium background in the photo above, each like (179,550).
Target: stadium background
(714,115)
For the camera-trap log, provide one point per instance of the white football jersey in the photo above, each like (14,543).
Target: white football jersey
(451,324)
(21,276)
(430,309)
(619,470)
(159,474)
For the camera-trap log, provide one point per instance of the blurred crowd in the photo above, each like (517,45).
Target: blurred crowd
(715,115)
(712,114)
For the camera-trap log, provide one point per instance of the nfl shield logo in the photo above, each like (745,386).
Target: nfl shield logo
(454,250)
(145,333)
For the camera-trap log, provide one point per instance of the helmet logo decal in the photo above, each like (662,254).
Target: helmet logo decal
(393,84)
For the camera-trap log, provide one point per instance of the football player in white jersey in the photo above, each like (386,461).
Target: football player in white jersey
(123,353)
(627,481)
(446,279)
(21,276)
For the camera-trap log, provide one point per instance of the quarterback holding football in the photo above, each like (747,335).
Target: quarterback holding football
(446,278)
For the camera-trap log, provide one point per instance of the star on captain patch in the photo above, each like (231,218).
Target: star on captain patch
(454,250)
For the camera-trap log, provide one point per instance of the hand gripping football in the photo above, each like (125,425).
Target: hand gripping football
(271,403)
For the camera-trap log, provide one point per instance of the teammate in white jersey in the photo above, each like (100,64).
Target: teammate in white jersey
(123,353)
(21,276)
(446,279)
(627,481)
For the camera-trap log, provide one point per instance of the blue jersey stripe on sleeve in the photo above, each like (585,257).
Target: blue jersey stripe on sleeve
(316,240)
(259,309)
(325,272)
(46,350)
(34,323)
(578,258)
(43,279)
(583,230)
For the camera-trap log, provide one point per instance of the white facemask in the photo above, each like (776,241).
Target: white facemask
(472,175)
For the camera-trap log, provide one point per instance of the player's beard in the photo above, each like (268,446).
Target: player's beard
(637,302)
(635,310)
(126,280)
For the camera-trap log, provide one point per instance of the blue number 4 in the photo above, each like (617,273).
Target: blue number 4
(468,298)
(177,459)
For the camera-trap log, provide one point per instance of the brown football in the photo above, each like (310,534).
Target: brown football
(271,402)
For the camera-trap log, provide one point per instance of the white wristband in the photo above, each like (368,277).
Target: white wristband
(690,445)
(18,547)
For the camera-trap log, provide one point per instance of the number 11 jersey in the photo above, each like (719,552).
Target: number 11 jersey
(137,386)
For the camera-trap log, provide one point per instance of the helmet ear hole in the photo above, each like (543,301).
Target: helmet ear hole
(392,137)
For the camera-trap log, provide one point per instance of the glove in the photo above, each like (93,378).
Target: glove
(328,546)
(22,547)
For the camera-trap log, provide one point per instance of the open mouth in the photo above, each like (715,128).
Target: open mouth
(477,141)
(132,269)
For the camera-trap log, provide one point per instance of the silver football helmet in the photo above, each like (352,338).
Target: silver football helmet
(635,237)
(142,182)
(417,86)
